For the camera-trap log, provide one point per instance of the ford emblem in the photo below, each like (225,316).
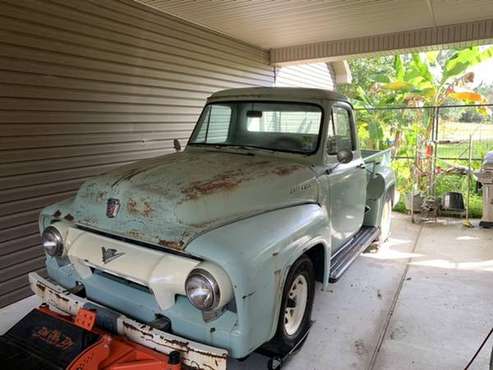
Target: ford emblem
(112,207)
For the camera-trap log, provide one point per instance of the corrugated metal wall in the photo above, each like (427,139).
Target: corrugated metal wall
(89,85)
(316,75)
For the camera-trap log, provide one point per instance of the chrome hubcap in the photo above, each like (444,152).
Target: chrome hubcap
(295,305)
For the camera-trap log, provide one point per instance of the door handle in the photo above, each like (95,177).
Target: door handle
(361,165)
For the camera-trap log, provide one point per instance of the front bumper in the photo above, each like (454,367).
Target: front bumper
(195,355)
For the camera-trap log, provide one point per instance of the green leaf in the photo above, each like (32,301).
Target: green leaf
(431,57)
(375,131)
(399,68)
(380,77)
(398,86)
(362,96)
(422,67)
(461,60)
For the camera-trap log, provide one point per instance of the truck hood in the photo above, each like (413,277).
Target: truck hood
(171,199)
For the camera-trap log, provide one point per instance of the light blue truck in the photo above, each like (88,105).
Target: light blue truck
(215,250)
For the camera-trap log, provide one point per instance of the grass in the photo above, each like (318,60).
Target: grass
(479,149)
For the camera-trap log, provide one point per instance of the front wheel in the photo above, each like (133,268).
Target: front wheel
(296,306)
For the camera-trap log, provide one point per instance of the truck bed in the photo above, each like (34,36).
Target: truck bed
(376,156)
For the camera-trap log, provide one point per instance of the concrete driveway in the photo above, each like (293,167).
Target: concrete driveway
(424,301)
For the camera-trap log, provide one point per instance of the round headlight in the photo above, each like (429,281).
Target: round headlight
(202,290)
(52,241)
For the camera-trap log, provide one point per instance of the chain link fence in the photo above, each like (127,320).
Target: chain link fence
(436,148)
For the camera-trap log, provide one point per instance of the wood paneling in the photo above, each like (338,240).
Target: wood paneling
(86,86)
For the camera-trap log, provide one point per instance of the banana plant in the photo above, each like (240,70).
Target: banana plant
(433,79)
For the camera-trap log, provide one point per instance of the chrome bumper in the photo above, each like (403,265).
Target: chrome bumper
(195,355)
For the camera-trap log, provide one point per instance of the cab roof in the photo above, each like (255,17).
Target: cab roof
(277,93)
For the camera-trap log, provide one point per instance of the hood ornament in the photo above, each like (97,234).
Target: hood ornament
(112,207)
(110,254)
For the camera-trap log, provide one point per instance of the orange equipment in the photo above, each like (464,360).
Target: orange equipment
(53,333)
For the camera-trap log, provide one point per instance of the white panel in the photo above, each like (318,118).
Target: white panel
(319,75)
(480,32)
(271,24)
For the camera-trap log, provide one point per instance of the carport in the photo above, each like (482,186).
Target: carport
(90,85)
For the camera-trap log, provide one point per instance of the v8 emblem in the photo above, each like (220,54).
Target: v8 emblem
(110,254)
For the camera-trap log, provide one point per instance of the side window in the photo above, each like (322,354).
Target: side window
(217,119)
(340,135)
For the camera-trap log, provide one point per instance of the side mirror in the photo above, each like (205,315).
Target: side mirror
(177,145)
(344,156)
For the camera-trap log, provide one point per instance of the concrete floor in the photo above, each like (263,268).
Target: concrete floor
(424,301)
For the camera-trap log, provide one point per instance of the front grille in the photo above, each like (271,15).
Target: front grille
(121,280)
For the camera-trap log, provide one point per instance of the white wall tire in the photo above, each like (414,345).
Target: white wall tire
(296,307)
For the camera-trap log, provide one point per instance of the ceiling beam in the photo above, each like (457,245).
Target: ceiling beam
(457,35)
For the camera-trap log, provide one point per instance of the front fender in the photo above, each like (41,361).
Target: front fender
(256,253)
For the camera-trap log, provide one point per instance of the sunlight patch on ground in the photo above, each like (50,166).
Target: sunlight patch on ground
(386,252)
(467,237)
(447,264)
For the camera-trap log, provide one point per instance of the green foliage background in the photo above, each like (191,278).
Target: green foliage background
(413,81)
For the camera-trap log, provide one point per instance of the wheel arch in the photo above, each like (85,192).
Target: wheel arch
(318,250)
(317,255)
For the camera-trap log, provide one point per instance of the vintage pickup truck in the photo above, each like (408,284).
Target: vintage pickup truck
(215,250)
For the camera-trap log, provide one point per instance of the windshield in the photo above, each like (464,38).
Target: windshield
(280,126)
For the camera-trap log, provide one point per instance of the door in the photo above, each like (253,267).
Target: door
(347,182)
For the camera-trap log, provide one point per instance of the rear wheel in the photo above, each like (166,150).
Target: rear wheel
(386,220)
(296,306)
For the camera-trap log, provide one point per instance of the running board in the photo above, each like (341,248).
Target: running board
(345,255)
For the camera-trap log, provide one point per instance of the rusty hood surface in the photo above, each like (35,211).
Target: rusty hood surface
(169,200)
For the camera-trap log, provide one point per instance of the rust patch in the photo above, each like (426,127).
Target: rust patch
(147,209)
(69,217)
(172,244)
(133,209)
(57,213)
(134,234)
(41,287)
(283,171)
(131,327)
(223,182)
(132,206)
(178,343)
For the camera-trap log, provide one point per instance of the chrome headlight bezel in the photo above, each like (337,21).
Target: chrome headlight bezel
(207,281)
(52,241)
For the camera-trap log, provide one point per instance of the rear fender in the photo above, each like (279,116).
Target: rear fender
(380,185)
